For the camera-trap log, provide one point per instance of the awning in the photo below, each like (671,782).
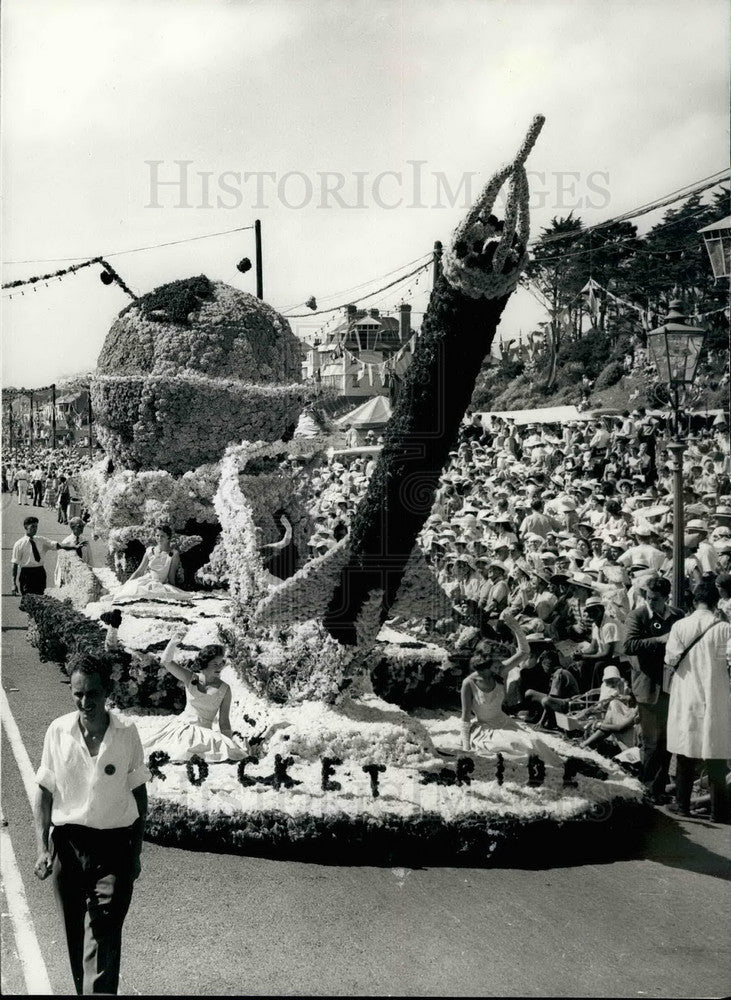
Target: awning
(375,412)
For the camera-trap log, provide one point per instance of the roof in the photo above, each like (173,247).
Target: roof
(375,412)
(721,224)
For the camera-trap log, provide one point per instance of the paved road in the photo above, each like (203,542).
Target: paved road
(202,924)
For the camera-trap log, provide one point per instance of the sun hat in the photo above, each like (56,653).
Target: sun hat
(611,673)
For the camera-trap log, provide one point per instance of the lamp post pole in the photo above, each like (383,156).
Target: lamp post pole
(674,349)
(677,450)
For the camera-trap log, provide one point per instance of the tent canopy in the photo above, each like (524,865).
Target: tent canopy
(542,415)
(374,413)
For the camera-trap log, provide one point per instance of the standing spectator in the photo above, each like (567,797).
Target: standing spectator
(29,574)
(64,499)
(36,477)
(352,438)
(21,481)
(699,716)
(646,635)
(91,789)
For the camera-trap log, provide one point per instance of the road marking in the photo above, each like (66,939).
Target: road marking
(27,771)
(26,939)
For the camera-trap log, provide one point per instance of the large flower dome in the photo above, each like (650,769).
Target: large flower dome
(191,367)
(202,326)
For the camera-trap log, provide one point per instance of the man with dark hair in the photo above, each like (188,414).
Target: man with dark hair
(89,814)
(29,574)
(646,633)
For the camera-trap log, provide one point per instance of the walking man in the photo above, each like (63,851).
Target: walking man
(92,792)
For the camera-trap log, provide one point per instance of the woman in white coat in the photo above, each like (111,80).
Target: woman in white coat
(699,717)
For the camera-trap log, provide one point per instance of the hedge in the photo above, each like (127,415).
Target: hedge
(176,423)
(58,631)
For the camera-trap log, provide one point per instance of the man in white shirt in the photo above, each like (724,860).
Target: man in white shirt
(21,481)
(91,790)
(705,553)
(29,574)
(605,646)
(644,551)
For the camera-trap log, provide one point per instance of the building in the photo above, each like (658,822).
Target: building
(364,354)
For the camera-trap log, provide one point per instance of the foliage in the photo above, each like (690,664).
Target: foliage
(176,301)
(609,375)
(178,423)
(389,838)
(206,327)
(413,678)
(80,583)
(456,335)
(292,663)
(58,631)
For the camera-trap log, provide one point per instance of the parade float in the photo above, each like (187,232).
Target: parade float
(331,770)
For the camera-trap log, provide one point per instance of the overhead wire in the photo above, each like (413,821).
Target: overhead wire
(119,253)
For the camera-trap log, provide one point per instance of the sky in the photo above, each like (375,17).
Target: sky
(360,126)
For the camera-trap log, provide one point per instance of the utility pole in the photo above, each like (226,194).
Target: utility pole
(259,264)
(53,415)
(31,418)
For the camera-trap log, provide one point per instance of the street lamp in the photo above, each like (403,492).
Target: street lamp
(674,349)
(717,238)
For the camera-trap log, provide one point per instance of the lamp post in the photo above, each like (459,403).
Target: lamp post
(674,349)
(717,238)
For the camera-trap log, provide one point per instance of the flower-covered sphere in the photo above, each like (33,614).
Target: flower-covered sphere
(189,368)
(202,326)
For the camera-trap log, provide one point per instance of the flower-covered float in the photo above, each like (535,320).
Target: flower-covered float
(331,770)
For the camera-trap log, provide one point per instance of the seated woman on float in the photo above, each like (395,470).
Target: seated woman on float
(156,576)
(207,698)
(483,693)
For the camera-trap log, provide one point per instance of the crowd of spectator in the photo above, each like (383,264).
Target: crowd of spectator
(44,477)
(567,531)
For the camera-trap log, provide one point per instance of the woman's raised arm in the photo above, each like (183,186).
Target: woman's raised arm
(523,652)
(167,660)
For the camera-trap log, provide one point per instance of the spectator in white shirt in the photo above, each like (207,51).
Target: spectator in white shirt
(91,790)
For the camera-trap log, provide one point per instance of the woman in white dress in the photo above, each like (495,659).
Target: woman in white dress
(483,693)
(207,698)
(155,577)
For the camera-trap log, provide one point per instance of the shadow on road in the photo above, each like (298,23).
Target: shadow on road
(669,842)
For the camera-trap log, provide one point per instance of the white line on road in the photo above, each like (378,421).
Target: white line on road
(26,939)
(22,759)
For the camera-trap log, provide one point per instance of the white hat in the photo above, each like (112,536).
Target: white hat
(611,673)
